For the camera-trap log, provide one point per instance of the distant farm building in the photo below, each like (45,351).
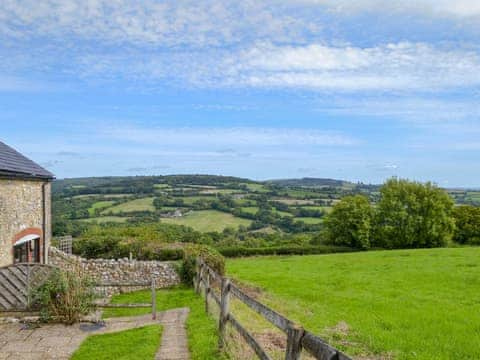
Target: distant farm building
(25,209)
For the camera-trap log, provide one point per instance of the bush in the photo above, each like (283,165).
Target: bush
(413,215)
(350,223)
(240,251)
(211,257)
(65,297)
(467,221)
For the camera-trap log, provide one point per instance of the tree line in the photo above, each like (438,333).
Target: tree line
(408,214)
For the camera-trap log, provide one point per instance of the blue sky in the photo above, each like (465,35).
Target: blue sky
(358,90)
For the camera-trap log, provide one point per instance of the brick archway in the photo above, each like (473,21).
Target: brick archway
(29,255)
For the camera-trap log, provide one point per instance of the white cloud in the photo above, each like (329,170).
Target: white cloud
(232,137)
(157,23)
(400,66)
(457,8)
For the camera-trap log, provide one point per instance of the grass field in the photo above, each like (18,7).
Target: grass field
(99,205)
(208,220)
(106,219)
(201,328)
(141,343)
(407,304)
(144,204)
(250,209)
(309,220)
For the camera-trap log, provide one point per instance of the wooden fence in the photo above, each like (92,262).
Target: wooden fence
(152,304)
(18,283)
(298,339)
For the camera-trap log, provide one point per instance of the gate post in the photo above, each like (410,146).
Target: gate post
(224,311)
(294,342)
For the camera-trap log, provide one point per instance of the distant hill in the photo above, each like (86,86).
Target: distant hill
(311,182)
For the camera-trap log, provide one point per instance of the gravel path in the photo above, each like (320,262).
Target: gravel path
(59,341)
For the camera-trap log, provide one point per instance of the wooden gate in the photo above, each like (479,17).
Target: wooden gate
(17,282)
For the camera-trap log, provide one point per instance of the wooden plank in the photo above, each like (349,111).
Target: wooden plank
(248,338)
(7,288)
(224,311)
(4,304)
(125,305)
(7,296)
(15,288)
(319,348)
(214,297)
(275,318)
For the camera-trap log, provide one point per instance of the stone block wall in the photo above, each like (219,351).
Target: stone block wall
(21,213)
(105,271)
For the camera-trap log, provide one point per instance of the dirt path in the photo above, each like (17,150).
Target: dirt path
(60,341)
(174,337)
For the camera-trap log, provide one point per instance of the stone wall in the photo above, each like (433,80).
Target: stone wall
(104,271)
(21,213)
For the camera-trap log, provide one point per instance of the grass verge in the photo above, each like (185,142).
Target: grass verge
(141,343)
(201,328)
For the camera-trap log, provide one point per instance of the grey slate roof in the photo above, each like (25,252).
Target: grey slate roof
(12,163)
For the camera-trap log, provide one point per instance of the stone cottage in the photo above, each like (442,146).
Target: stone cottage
(25,209)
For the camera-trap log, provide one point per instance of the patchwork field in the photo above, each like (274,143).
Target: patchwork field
(408,304)
(144,204)
(208,220)
(106,219)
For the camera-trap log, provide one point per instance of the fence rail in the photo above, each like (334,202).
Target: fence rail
(298,339)
(152,304)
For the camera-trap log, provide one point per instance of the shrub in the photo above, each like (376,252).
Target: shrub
(413,215)
(467,221)
(240,251)
(350,223)
(65,297)
(211,257)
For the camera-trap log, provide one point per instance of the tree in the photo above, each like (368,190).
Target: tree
(467,221)
(413,215)
(350,222)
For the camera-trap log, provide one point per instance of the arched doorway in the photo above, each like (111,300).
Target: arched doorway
(27,249)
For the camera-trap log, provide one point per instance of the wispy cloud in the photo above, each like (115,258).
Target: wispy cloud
(458,8)
(240,136)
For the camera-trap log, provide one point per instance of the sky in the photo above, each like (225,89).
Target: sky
(357,90)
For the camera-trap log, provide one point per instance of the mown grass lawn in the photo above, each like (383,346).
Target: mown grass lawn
(141,343)
(201,328)
(407,304)
(208,220)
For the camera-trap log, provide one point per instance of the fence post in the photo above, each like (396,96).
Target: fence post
(224,311)
(199,276)
(294,342)
(207,290)
(28,287)
(154,300)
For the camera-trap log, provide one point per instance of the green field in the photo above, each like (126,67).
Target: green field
(144,204)
(309,220)
(406,304)
(250,209)
(208,220)
(106,219)
(99,205)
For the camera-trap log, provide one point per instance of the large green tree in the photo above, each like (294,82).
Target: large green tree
(467,221)
(413,215)
(350,222)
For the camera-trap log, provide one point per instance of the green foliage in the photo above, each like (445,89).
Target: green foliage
(211,257)
(201,328)
(283,250)
(350,223)
(467,221)
(413,215)
(399,304)
(139,343)
(65,297)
